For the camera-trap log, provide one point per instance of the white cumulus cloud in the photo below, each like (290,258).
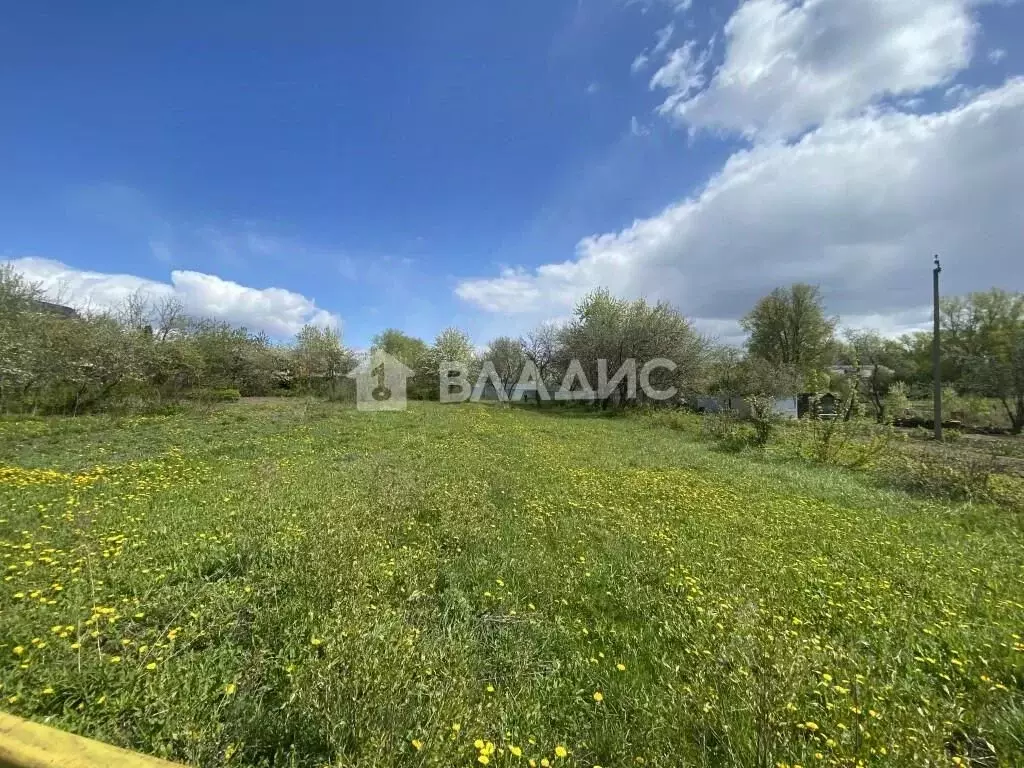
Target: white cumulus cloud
(277,311)
(790,65)
(857,205)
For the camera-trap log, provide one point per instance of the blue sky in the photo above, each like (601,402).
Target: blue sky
(417,165)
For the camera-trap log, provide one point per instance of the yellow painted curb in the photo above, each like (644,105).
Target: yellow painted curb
(24,744)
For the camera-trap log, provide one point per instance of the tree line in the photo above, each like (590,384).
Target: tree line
(144,353)
(793,346)
(151,352)
(793,342)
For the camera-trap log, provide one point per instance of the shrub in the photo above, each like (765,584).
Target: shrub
(1007,491)
(854,444)
(952,436)
(341,391)
(763,418)
(954,407)
(978,412)
(896,403)
(224,395)
(673,418)
(966,479)
(728,432)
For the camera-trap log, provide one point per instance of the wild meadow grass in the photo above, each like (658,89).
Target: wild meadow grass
(297,584)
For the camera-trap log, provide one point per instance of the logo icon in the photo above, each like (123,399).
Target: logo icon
(381,383)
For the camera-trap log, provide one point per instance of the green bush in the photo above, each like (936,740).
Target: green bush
(966,479)
(853,444)
(896,403)
(954,407)
(763,418)
(673,418)
(978,412)
(952,435)
(225,395)
(728,432)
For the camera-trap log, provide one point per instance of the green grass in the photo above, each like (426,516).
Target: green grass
(300,584)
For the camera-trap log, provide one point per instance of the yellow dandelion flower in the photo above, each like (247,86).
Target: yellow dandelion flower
(230,689)
(561,751)
(620,667)
(598,697)
(417,744)
(516,751)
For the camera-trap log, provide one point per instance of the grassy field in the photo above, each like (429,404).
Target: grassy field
(300,584)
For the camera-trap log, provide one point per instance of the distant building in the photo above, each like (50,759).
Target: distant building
(785,407)
(864,371)
(826,405)
(518,394)
(711,404)
(50,308)
(789,407)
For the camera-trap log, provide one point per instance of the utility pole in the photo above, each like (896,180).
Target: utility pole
(937,352)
